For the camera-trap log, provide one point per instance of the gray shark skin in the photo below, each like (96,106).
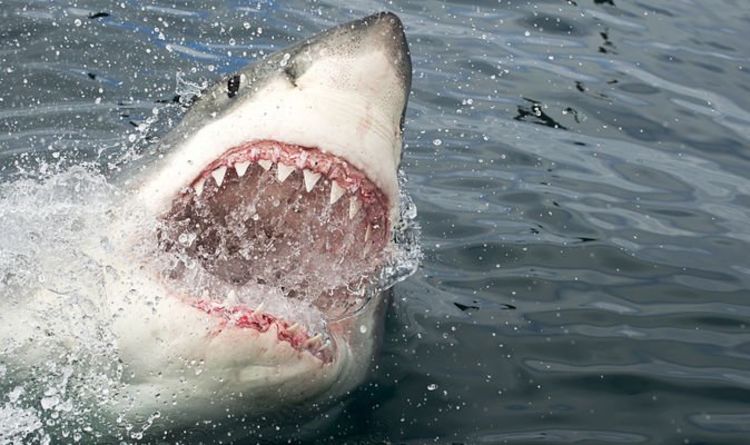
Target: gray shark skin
(291,64)
(282,179)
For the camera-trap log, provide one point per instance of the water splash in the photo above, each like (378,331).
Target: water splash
(57,241)
(46,225)
(407,249)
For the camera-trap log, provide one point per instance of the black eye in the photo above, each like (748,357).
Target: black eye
(233,85)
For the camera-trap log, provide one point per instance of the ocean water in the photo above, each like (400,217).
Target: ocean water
(582,174)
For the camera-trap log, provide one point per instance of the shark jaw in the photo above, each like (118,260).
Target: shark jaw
(295,219)
(280,180)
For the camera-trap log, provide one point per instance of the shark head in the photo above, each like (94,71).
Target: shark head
(278,189)
(341,94)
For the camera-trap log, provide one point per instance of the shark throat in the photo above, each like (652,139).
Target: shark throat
(297,220)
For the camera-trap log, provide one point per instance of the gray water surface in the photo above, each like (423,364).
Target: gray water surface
(581,173)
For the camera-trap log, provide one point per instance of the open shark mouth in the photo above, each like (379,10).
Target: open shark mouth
(236,268)
(298,220)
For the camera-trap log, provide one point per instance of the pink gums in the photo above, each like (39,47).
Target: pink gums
(336,169)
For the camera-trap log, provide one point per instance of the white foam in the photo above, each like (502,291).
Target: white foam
(54,325)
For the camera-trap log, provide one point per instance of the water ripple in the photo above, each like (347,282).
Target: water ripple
(580,169)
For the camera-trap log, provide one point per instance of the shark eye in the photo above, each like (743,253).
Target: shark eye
(233,85)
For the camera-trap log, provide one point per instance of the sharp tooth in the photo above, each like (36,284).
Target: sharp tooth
(266,164)
(336,192)
(311,178)
(354,205)
(218,174)
(241,168)
(283,171)
(312,340)
(198,186)
(293,328)
(367,233)
(259,309)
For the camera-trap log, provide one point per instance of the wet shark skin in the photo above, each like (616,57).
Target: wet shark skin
(344,92)
(294,96)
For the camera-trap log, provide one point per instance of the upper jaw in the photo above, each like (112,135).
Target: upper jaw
(343,92)
(341,126)
(310,168)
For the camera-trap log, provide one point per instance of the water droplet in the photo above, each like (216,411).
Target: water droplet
(437,142)
(50,402)
(186,239)
(285,59)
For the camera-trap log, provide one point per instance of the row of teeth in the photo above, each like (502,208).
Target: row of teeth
(282,173)
(315,343)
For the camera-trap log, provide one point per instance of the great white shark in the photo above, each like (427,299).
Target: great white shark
(278,189)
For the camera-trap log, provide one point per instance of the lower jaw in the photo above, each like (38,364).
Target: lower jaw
(320,345)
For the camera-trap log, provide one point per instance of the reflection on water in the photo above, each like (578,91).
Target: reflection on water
(580,168)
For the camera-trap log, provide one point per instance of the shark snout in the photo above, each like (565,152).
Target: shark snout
(343,92)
